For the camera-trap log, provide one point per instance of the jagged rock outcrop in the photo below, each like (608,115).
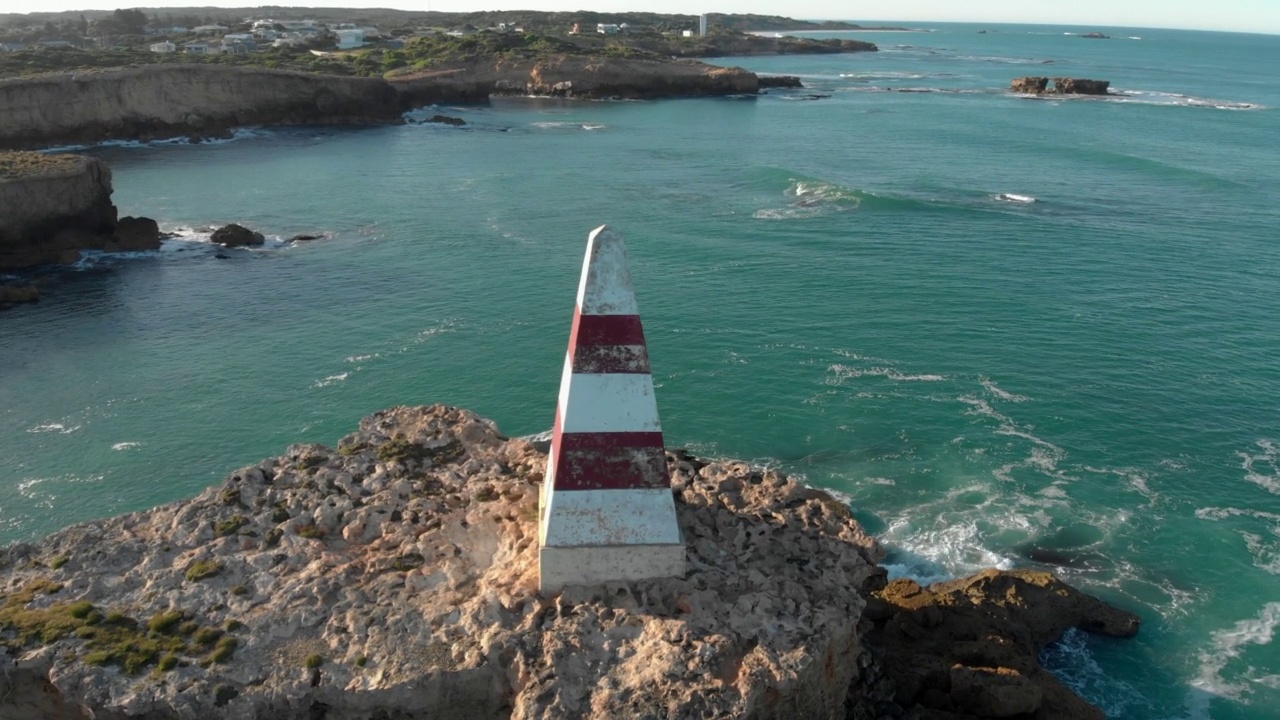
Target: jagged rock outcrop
(52,207)
(969,648)
(1061,86)
(780,81)
(164,101)
(573,76)
(397,577)
(234,235)
(1030,85)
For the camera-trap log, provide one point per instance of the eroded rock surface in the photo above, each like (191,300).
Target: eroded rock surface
(396,577)
(1061,86)
(969,648)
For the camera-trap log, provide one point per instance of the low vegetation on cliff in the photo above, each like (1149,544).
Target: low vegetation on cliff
(14,165)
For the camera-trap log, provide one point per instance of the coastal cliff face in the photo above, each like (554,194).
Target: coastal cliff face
(47,212)
(574,76)
(157,102)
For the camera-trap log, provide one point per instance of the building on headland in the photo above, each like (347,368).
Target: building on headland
(702,25)
(202,47)
(164,47)
(12,47)
(350,38)
(209,29)
(607,28)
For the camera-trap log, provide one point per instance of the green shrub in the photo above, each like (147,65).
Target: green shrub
(203,569)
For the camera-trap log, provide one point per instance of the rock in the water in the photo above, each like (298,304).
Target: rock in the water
(780,81)
(1031,85)
(1096,36)
(446,120)
(136,233)
(970,647)
(11,295)
(1061,86)
(51,207)
(304,238)
(1081,86)
(234,235)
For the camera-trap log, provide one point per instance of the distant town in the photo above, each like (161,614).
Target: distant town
(135,29)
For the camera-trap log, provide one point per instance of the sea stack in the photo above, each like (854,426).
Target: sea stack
(606,512)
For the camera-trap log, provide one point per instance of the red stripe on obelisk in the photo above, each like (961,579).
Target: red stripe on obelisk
(608,460)
(608,344)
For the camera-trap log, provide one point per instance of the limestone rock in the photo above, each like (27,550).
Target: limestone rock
(396,577)
(970,647)
(136,233)
(234,235)
(1031,85)
(1081,86)
(156,102)
(446,120)
(54,209)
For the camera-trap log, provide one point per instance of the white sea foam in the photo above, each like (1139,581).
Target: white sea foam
(1266,555)
(811,199)
(845,372)
(1227,646)
(1219,513)
(331,380)
(1263,469)
(996,390)
(54,427)
(568,125)
(938,552)
(1014,198)
(125,445)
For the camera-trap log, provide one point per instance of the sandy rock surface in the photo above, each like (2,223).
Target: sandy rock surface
(395,577)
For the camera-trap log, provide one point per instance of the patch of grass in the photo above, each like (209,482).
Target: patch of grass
(313,661)
(409,561)
(349,450)
(165,622)
(230,496)
(486,494)
(225,648)
(206,636)
(233,625)
(168,662)
(239,590)
(362,661)
(203,569)
(33,164)
(230,525)
(109,639)
(59,561)
(279,515)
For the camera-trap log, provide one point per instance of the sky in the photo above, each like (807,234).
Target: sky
(1235,15)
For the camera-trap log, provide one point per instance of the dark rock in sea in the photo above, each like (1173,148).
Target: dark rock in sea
(1034,85)
(780,81)
(814,96)
(971,647)
(235,235)
(135,234)
(222,256)
(1081,86)
(446,120)
(11,295)
(1030,85)
(304,238)
(1096,36)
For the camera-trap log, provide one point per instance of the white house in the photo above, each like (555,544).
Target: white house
(202,47)
(350,38)
(209,29)
(164,47)
(238,37)
(607,29)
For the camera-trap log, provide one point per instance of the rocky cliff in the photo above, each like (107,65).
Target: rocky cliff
(155,102)
(574,76)
(54,206)
(395,577)
(1061,86)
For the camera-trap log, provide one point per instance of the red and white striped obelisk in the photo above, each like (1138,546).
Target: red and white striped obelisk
(606,512)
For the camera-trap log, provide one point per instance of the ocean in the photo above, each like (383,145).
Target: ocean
(1013,332)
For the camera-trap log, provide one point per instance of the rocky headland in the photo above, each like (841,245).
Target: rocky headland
(54,206)
(165,101)
(1061,86)
(396,577)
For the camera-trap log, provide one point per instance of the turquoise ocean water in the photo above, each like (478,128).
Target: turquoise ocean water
(845,287)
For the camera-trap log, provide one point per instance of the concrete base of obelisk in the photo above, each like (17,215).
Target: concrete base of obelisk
(595,564)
